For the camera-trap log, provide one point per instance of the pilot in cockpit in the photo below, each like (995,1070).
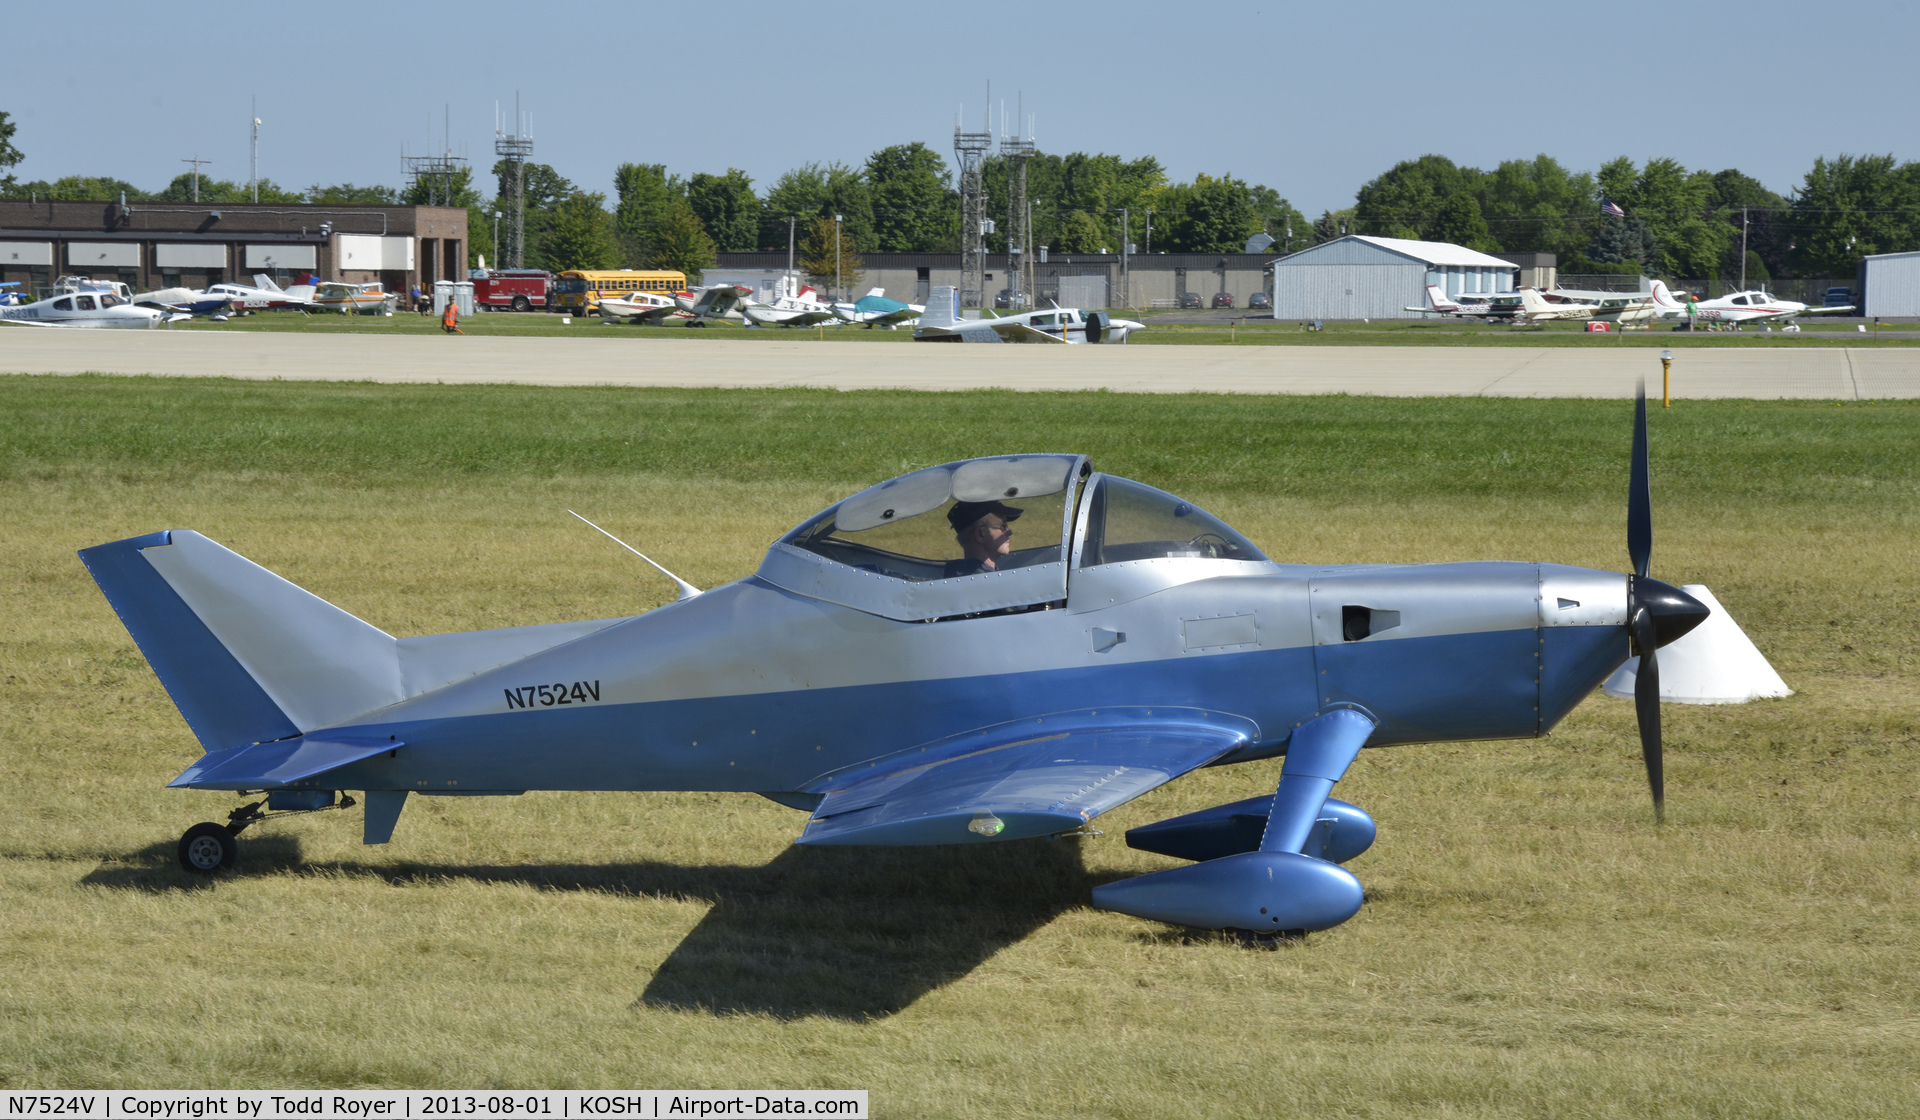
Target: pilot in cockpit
(985,533)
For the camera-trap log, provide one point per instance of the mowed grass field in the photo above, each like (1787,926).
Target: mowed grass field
(1532,944)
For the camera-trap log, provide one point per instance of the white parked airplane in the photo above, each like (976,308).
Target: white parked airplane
(1740,307)
(941,322)
(717,301)
(801,309)
(644,308)
(264,295)
(1529,305)
(875,310)
(82,309)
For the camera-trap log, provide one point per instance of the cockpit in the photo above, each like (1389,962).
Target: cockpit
(990,534)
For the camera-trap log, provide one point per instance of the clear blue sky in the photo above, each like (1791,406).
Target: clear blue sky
(1312,100)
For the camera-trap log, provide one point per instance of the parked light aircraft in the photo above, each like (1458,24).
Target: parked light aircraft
(941,322)
(99,308)
(984,650)
(716,301)
(1740,307)
(265,295)
(349,298)
(11,299)
(804,308)
(875,310)
(1530,305)
(645,308)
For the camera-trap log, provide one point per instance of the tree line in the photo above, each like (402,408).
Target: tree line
(1677,222)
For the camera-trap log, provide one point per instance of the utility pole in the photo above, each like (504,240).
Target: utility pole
(254,179)
(1126,273)
(197,161)
(836,258)
(788,283)
(1149,233)
(1743,248)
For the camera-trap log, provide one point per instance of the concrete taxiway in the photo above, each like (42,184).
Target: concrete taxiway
(1813,372)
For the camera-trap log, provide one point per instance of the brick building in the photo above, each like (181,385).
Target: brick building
(181,244)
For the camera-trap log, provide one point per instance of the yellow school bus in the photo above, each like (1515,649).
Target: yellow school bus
(579,291)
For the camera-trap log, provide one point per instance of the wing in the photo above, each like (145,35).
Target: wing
(1824,310)
(280,763)
(1011,331)
(1028,778)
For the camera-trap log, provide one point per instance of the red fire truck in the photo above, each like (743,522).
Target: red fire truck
(511,289)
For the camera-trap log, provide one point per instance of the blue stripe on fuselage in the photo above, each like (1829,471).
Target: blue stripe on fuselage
(1463,686)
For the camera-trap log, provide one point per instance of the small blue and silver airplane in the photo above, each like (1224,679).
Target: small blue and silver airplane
(875,310)
(979,651)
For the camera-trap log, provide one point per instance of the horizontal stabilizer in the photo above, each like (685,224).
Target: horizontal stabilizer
(281,763)
(1027,778)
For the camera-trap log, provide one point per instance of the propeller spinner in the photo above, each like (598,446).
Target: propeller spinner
(1657,613)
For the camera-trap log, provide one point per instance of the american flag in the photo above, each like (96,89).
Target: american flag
(1608,206)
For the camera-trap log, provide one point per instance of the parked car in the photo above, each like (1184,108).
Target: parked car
(1259,301)
(1007,299)
(1223,299)
(1837,297)
(1190,301)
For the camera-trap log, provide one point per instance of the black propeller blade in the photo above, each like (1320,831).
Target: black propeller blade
(1646,706)
(1639,495)
(1641,629)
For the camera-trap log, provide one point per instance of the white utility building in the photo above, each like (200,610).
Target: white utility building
(1360,277)
(1892,283)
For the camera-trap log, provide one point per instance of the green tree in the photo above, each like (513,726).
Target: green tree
(1407,200)
(1538,206)
(817,259)
(1331,225)
(681,242)
(224,191)
(1688,229)
(79,188)
(1460,222)
(819,191)
(1210,216)
(728,208)
(578,233)
(646,195)
(456,190)
(10,156)
(1851,206)
(909,185)
(1081,232)
(1278,219)
(347,194)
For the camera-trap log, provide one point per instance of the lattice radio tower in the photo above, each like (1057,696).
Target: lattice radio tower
(1017,152)
(439,174)
(516,150)
(969,149)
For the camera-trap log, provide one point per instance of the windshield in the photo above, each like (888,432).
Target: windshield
(1129,521)
(572,284)
(959,519)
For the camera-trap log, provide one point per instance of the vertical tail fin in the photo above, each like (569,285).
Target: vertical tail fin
(1439,300)
(943,308)
(1664,300)
(264,282)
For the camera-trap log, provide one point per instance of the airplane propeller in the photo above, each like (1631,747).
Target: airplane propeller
(1657,613)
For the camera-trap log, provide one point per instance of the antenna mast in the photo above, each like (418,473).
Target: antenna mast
(1017,152)
(437,172)
(969,149)
(515,150)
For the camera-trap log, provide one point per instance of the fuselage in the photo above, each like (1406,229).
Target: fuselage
(752,687)
(91,308)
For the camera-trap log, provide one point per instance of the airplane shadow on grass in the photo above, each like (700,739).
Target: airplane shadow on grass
(845,933)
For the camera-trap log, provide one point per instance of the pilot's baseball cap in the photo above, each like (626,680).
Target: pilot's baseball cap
(964,514)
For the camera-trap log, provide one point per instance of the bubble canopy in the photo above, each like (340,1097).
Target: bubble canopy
(988,534)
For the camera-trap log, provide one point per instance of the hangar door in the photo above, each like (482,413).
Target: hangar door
(1083,291)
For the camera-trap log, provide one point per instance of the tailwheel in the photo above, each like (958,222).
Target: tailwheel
(207,848)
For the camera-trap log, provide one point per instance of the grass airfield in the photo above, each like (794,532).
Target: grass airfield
(1532,944)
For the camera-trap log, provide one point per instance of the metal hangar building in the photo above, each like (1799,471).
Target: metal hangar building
(1360,277)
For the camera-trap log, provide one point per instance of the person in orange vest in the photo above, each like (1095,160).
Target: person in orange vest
(450,322)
